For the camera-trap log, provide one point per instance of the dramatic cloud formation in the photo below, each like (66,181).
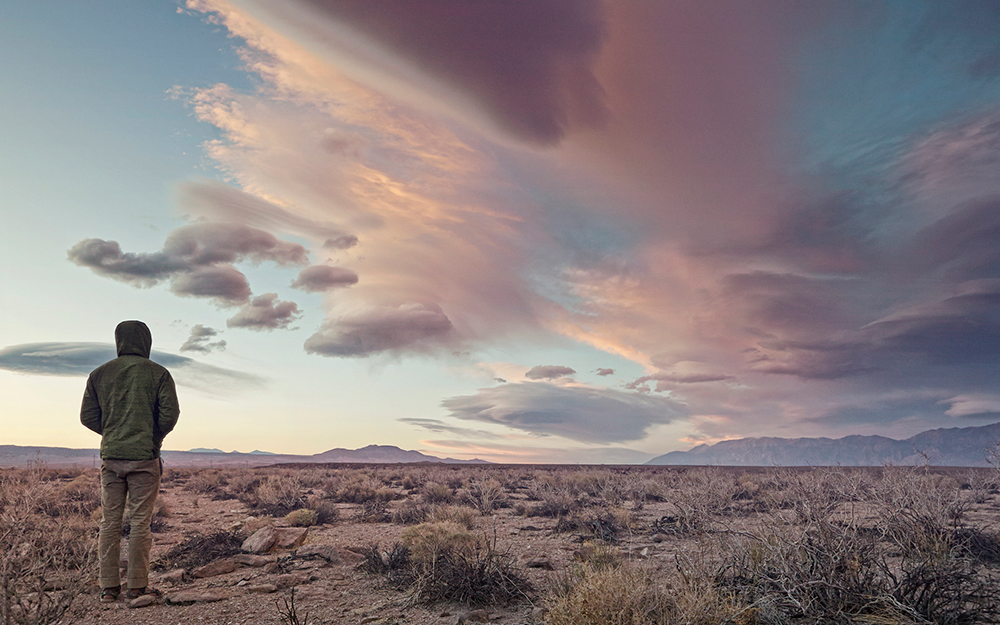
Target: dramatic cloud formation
(200,340)
(406,328)
(79,359)
(526,63)
(323,278)
(196,257)
(589,415)
(264,312)
(548,372)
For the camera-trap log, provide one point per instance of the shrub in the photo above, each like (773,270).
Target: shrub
(466,517)
(199,549)
(410,512)
(303,517)
(432,492)
(277,496)
(611,595)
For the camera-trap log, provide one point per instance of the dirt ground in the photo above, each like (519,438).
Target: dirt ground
(329,587)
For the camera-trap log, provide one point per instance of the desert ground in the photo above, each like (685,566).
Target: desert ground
(556,545)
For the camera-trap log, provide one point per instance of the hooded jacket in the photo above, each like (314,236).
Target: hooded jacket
(130,401)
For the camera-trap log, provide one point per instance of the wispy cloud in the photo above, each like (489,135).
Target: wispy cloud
(201,340)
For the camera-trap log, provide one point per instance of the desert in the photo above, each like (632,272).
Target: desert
(514,544)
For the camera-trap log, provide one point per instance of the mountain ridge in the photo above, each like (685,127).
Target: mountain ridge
(958,446)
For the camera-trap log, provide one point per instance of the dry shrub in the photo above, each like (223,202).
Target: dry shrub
(443,561)
(303,517)
(44,563)
(433,492)
(466,517)
(205,482)
(486,496)
(373,511)
(326,510)
(410,512)
(277,496)
(609,595)
(553,505)
(198,549)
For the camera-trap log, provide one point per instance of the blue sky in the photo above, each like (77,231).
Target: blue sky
(563,230)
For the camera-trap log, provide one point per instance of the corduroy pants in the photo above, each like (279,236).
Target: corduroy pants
(128,488)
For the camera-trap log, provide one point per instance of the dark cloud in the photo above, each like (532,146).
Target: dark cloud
(200,340)
(605,372)
(79,359)
(589,415)
(436,425)
(224,283)
(323,278)
(964,245)
(195,257)
(528,63)
(265,312)
(548,372)
(500,380)
(410,327)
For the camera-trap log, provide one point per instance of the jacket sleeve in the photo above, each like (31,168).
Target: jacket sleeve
(90,410)
(167,407)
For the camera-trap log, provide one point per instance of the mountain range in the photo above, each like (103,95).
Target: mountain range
(962,447)
(17,456)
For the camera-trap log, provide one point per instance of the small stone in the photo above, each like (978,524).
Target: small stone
(645,552)
(250,559)
(261,541)
(476,616)
(187,597)
(175,576)
(290,537)
(219,567)
(290,579)
(326,552)
(262,588)
(540,563)
(143,601)
(659,538)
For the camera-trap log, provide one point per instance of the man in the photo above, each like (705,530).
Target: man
(131,402)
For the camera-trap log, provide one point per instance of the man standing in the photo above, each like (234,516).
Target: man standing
(131,402)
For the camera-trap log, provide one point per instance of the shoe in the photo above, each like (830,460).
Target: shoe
(135,593)
(110,595)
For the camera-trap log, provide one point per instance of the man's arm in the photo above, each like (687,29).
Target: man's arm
(90,410)
(168,408)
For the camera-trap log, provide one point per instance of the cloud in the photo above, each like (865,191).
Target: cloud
(217,201)
(436,425)
(200,340)
(527,65)
(517,454)
(405,328)
(604,372)
(590,415)
(548,372)
(323,278)
(264,312)
(79,359)
(196,258)
(224,283)
(666,381)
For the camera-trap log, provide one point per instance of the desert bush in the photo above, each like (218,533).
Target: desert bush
(486,496)
(303,517)
(198,549)
(411,512)
(277,496)
(44,562)
(466,517)
(443,561)
(553,505)
(609,595)
(206,482)
(434,492)
(373,511)
(326,510)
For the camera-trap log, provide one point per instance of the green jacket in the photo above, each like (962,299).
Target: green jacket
(130,401)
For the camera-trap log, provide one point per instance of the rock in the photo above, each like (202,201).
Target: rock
(540,562)
(187,597)
(261,541)
(290,579)
(143,601)
(262,588)
(219,567)
(272,567)
(349,556)
(290,537)
(659,538)
(326,552)
(645,552)
(250,559)
(175,576)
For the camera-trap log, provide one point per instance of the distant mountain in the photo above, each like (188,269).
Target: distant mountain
(961,447)
(17,456)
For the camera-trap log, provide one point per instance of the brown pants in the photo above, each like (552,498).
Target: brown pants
(137,482)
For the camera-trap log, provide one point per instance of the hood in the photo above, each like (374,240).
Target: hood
(133,337)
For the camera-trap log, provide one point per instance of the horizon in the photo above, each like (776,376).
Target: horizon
(565,231)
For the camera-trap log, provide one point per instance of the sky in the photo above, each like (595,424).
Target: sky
(576,231)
